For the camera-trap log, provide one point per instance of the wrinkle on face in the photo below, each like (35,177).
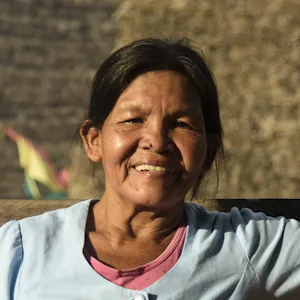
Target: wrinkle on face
(157,99)
(149,116)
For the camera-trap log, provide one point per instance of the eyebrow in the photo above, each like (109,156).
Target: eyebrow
(188,110)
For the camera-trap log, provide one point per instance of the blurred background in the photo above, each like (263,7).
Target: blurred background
(50,51)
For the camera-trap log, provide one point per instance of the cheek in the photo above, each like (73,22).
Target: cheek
(194,152)
(117,147)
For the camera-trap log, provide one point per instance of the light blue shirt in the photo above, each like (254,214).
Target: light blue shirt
(236,255)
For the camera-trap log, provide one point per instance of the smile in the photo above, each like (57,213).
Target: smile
(152,168)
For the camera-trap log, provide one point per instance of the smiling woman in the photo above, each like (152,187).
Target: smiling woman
(152,144)
(154,125)
(137,59)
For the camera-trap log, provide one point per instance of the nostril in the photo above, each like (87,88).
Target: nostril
(171,147)
(157,141)
(149,145)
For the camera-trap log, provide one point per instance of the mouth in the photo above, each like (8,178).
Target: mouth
(152,168)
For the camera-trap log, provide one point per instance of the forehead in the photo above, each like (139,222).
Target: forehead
(167,87)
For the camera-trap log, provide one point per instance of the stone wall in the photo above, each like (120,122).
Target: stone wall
(49,52)
(253,49)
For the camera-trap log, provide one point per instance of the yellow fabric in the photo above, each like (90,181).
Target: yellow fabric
(35,167)
(33,188)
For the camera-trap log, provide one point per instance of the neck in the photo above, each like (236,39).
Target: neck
(122,223)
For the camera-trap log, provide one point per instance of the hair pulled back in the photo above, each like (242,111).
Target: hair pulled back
(142,56)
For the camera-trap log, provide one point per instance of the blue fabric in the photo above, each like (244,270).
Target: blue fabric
(236,255)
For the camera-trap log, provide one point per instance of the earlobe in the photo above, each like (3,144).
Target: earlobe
(91,138)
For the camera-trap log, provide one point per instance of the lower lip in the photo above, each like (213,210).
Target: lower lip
(154,174)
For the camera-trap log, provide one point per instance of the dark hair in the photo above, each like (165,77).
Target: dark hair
(150,54)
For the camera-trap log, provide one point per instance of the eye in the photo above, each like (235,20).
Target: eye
(134,121)
(182,124)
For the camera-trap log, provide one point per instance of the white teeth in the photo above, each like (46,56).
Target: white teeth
(151,168)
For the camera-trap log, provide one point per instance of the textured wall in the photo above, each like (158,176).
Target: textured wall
(253,48)
(49,52)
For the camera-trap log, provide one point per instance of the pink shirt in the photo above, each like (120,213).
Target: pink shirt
(141,277)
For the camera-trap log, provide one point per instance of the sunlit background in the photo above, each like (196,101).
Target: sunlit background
(50,50)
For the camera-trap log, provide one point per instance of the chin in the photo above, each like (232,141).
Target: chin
(154,200)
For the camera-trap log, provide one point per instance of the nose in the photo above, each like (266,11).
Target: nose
(156,138)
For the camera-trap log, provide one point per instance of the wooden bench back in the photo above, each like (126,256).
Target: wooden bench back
(18,209)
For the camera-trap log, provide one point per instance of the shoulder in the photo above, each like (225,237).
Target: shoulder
(269,246)
(56,220)
(254,231)
(43,226)
(238,219)
(200,217)
(10,236)
(10,241)
(9,229)
(11,256)
(26,246)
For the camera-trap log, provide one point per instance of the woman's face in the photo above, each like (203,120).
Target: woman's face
(153,143)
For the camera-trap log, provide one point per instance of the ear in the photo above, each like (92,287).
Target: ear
(91,138)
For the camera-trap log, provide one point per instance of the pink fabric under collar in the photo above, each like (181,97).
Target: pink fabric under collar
(141,277)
